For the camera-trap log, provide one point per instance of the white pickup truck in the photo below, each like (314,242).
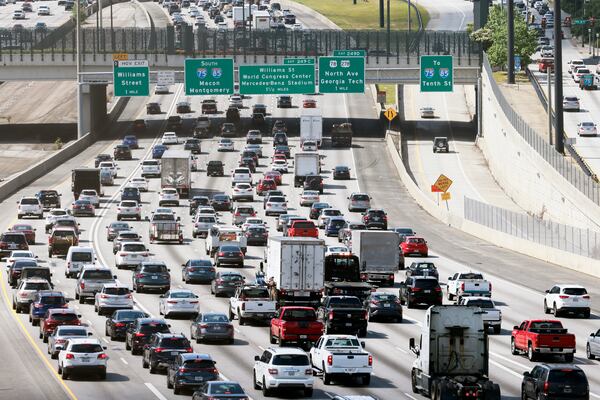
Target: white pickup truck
(251,302)
(492,317)
(336,356)
(466,284)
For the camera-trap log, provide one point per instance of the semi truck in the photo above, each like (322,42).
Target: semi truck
(342,276)
(311,125)
(176,166)
(261,20)
(341,135)
(453,355)
(305,164)
(85,178)
(378,255)
(295,270)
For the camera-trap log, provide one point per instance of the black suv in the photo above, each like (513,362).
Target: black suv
(313,182)
(48,198)
(284,102)
(153,108)
(227,129)
(198,201)
(420,290)
(139,333)
(117,324)
(10,241)
(131,193)
(279,126)
(174,123)
(221,202)
(163,348)
(101,158)
(280,139)
(122,152)
(192,145)
(232,115)
(215,168)
(373,218)
(556,381)
(190,371)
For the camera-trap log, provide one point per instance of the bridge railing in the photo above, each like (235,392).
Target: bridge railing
(381,48)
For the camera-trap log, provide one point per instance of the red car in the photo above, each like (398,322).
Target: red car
(26,229)
(309,103)
(303,228)
(414,245)
(264,185)
(295,325)
(537,337)
(278,156)
(55,317)
(274,175)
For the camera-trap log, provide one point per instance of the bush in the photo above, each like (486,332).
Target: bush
(58,144)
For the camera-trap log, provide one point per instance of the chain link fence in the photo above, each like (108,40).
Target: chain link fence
(583,242)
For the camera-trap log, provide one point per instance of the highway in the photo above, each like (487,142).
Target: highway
(57,17)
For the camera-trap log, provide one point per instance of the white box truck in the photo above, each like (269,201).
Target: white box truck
(240,14)
(453,355)
(261,20)
(176,171)
(378,253)
(305,164)
(296,267)
(311,125)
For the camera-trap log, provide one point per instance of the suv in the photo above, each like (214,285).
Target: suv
(313,182)
(85,354)
(241,213)
(284,102)
(131,193)
(101,158)
(420,290)
(227,129)
(374,218)
(43,301)
(253,137)
(221,202)
(139,333)
(16,267)
(214,168)
(49,199)
(556,381)
(113,296)
(60,240)
(209,106)
(151,276)
(241,175)
(163,349)
(91,280)
(280,139)
(440,144)
(10,241)
(190,370)
(55,317)
(150,168)
(25,293)
(129,253)
(30,207)
(168,196)
(129,209)
(359,202)
(563,299)
(283,367)
(122,152)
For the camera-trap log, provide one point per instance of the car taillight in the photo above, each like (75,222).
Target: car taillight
(38,305)
(308,371)
(102,356)
(273,371)
(139,276)
(219,281)
(59,341)
(438,289)
(462,286)
(330,316)
(138,334)
(189,350)
(241,254)
(237,214)
(221,254)
(119,325)
(586,297)
(364,277)
(82,285)
(3,245)
(415,289)
(172,302)
(123,254)
(158,349)
(370,360)
(562,296)
(182,369)
(103,296)
(22,294)
(330,360)
(546,387)
(391,277)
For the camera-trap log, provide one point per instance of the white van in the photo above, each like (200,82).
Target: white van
(77,257)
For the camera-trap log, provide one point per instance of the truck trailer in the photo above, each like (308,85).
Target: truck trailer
(176,166)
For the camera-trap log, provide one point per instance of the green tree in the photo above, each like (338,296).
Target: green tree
(494,38)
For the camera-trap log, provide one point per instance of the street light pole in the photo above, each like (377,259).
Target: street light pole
(590,40)
(511,42)
(388,48)
(558,89)
(78,70)
(409,17)
(549,70)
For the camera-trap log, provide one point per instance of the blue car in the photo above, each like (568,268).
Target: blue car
(43,301)
(334,225)
(158,151)
(131,141)
(198,271)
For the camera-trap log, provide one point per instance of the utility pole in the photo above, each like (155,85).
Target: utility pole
(409,17)
(549,70)
(558,89)
(511,42)
(381,14)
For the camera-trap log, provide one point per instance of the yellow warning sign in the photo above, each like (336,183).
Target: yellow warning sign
(446,196)
(120,56)
(390,114)
(443,183)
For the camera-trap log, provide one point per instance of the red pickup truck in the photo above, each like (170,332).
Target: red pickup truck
(537,337)
(303,228)
(295,324)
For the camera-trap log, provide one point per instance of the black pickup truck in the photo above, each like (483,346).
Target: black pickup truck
(343,314)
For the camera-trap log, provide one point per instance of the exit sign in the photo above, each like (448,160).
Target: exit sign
(131,78)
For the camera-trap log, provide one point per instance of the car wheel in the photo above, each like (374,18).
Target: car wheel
(326,377)
(266,391)
(569,357)
(65,374)
(127,346)
(176,389)
(169,384)
(588,353)
(497,329)
(530,353)
(546,309)
(308,392)
(555,310)
(513,347)
(254,381)
(144,363)
(366,380)
(81,299)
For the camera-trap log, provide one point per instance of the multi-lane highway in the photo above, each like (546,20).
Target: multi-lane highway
(57,17)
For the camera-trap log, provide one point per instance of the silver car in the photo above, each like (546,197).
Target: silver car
(25,292)
(571,103)
(113,296)
(202,224)
(91,280)
(61,334)
(587,129)
(359,202)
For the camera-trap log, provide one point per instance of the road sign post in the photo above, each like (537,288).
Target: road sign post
(517,63)
(131,78)
(443,183)
(390,114)
(208,76)
(437,74)
(277,79)
(341,74)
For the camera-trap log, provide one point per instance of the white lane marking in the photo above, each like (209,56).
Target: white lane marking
(411,397)
(402,350)
(141,307)
(594,395)
(89,322)
(155,391)
(510,371)
(105,339)
(57,281)
(262,348)
(224,378)
(124,361)
(237,330)
(518,364)
(331,395)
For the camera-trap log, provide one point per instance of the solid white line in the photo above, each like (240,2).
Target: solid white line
(237,330)
(155,391)
(518,364)
(510,371)
(331,395)
(105,339)
(89,322)
(262,348)
(124,361)
(402,350)
(410,396)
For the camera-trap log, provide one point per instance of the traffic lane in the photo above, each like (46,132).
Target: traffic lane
(453,15)
(307,17)
(57,17)
(124,15)
(159,17)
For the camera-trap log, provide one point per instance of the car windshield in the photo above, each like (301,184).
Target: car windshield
(571,99)
(98,274)
(206,219)
(198,364)
(154,327)
(482,303)
(225,388)
(163,217)
(175,343)
(256,292)
(36,286)
(546,325)
(182,295)
(290,359)
(117,291)
(84,256)
(221,197)
(64,317)
(29,201)
(63,234)
(332,213)
(426,283)
(345,302)
(341,342)
(276,199)
(575,291)
(321,205)
(567,376)
(303,225)
(128,236)
(24,263)
(129,315)
(245,210)
(154,268)
(588,124)
(119,225)
(135,247)
(89,193)
(299,315)
(360,197)
(230,248)
(384,297)
(336,223)
(200,263)
(471,276)
(52,300)
(72,332)
(231,277)
(86,348)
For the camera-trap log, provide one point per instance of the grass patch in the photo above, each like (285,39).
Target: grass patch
(365,14)
(500,77)
(390,90)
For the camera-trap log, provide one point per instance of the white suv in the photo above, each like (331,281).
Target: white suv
(82,355)
(90,195)
(131,254)
(30,207)
(241,175)
(168,196)
(562,299)
(110,166)
(169,138)
(284,367)
(150,168)
(129,209)
(113,296)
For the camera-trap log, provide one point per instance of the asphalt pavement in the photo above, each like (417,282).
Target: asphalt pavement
(57,17)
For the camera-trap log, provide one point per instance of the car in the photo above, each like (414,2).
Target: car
(190,371)
(226,283)
(337,249)
(139,182)
(587,129)
(375,218)
(317,208)
(547,51)
(192,145)
(280,166)
(280,139)
(151,276)
(100,158)
(26,229)
(184,107)
(309,145)
(282,149)
(571,103)
(359,202)
(440,144)
(116,325)
(168,196)
(422,268)
(169,138)
(113,296)
(53,215)
(545,64)
(212,326)
(18,14)
(254,137)
(427,112)
(249,163)
(158,151)
(402,232)
(131,193)
(122,152)
(132,140)
(229,255)
(55,317)
(91,280)
(62,334)
(42,301)
(325,214)
(414,245)
(59,241)
(274,175)
(82,355)
(228,129)
(299,227)
(381,305)
(264,185)
(221,202)
(197,270)
(139,333)
(114,228)
(163,348)
(269,368)
(309,197)
(178,301)
(333,226)
(153,108)
(241,175)
(209,106)
(225,144)
(83,208)
(129,250)
(284,101)
(573,63)
(256,235)
(30,207)
(50,199)
(309,103)
(567,299)
(25,293)
(580,73)
(243,191)
(341,172)
(313,182)
(197,202)
(554,381)
(90,195)
(110,166)
(297,27)
(276,205)
(420,290)
(162,89)
(217,390)
(215,168)
(129,209)
(235,100)
(43,10)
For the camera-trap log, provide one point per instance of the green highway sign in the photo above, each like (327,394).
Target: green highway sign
(208,76)
(341,74)
(349,53)
(579,21)
(131,78)
(299,61)
(277,79)
(437,74)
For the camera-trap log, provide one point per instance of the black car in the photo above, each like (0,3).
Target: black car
(284,102)
(341,172)
(315,209)
(220,390)
(198,201)
(280,139)
(232,115)
(139,333)
(16,268)
(192,145)
(215,168)
(122,152)
(116,325)
(420,290)
(259,109)
(375,218)
(209,107)
(174,123)
(279,126)
(49,198)
(131,193)
(219,18)
(422,268)
(384,306)
(226,283)
(440,144)
(190,371)
(256,235)
(555,382)
(153,108)
(229,255)
(102,157)
(249,163)
(313,182)
(163,348)
(151,276)
(227,129)
(184,107)
(257,119)
(221,202)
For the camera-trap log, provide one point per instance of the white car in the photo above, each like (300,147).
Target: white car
(131,254)
(571,103)
(587,129)
(308,197)
(110,166)
(236,101)
(427,112)
(547,51)
(169,138)
(43,10)
(325,214)
(567,299)
(168,196)
(283,367)
(309,145)
(178,301)
(242,191)
(150,168)
(225,145)
(129,209)
(161,89)
(18,14)
(257,148)
(25,292)
(222,26)
(575,63)
(276,205)
(62,334)
(253,221)
(580,73)
(241,175)
(90,195)
(81,355)
(113,296)
(54,214)
(15,254)
(202,224)
(30,207)
(336,249)
(139,182)
(280,166)
(297,27)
